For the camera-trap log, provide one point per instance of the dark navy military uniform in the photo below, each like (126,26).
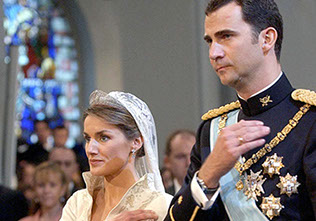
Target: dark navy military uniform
(297,149)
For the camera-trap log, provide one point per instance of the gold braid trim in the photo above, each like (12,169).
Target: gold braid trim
(192,217)
(194,213)
(170,213)
(305,96)
(219,111)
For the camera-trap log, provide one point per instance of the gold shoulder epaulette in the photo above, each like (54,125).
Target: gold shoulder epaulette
(305,96)
(221,110)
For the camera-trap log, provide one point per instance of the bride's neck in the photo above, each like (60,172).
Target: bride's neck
(116,186)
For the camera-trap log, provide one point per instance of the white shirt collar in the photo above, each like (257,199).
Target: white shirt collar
(270,85)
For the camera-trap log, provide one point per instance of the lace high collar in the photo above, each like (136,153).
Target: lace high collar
(97,182)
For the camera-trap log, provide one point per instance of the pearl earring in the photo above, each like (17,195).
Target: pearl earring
(133,153)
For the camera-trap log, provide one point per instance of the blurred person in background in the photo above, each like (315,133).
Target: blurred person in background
(177,156)
(38,151)
(44,134)
(13,205)
(166,177)
(25,173)
(60,136)
(50,186)
(31,155)
(66,159)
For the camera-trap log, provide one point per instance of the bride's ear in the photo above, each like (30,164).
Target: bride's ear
(137,143)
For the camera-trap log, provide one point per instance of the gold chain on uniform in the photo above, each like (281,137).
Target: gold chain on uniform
(274,142)
(222,122)
(267,147)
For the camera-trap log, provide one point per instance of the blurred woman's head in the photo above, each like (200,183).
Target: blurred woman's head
(50,185)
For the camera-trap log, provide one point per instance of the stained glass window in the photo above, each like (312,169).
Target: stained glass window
(48,67)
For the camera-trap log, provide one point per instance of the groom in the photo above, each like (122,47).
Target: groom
(254,159)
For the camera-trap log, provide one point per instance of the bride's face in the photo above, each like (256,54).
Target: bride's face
(107,148)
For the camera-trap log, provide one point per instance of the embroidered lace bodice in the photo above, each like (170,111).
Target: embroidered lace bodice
(141,195)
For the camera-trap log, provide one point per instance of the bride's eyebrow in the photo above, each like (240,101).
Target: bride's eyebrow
(102,132)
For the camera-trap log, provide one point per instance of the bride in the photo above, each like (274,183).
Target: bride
(124,179)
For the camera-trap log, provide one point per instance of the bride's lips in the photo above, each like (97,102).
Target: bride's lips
(94,162)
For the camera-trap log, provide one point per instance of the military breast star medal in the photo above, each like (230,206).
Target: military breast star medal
(271,206)
(288,184)
(253,185)
(272,165)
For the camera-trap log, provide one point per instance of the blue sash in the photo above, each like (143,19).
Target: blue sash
(236,204)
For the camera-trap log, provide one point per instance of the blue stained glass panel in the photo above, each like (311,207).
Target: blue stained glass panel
(48,67)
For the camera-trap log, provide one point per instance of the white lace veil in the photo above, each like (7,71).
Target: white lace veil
(146,124)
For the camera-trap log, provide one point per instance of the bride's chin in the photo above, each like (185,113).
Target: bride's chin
(95,172)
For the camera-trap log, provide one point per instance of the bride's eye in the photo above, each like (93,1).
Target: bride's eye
(104,138)
(86,138)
